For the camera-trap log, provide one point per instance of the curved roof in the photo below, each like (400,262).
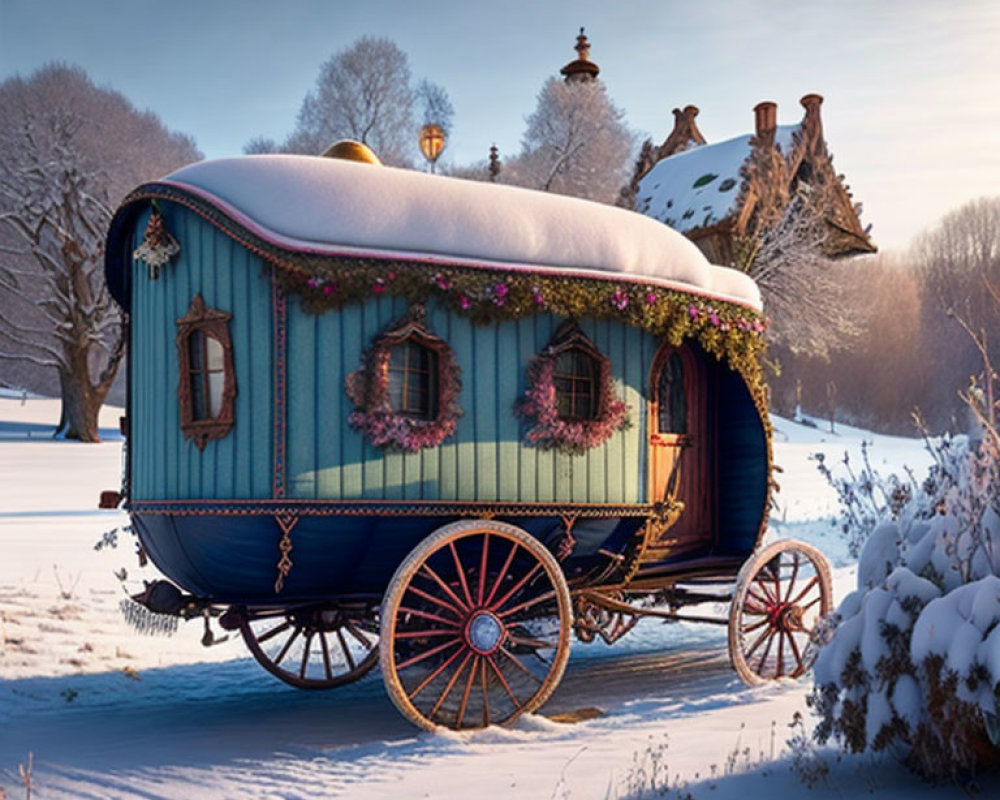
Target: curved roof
(328,206)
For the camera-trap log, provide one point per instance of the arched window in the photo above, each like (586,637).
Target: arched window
(576,376)
(671,407)
(406,391)
(207,381)
(413,380)
(570,403)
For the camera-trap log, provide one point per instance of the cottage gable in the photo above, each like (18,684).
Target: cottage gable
(719,194)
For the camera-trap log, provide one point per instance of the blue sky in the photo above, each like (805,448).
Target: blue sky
(911,86)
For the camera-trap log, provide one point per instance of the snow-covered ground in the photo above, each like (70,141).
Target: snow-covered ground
(108,713)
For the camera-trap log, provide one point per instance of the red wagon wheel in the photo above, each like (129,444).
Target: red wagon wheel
(782,593)
(312,647)
(475,627)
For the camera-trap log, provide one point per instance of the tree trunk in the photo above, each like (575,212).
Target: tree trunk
(81,405)
(81,398)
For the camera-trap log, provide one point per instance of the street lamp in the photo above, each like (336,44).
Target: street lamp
(431,142)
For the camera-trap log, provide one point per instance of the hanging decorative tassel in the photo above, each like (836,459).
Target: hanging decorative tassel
(158,247)
(147,622)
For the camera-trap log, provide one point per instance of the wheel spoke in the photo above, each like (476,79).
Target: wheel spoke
(444,586)
(440,668)
(503,681)
(465,694)
(426,634)
(287,645)
(813,581)
(284,626)
(767,602)
(482,569)
(767,650)
(418,613)
(781,654)
(795,573)
(758,582)
(528,604)
(502,574)
(796,653)
(358,634)
(520,666)
(343,646)
(517,586)
(755,625)
(303,665)
(452,681)
(811,603)
(461,573)
(486,694)
(326,656)
(758,643)
(428,653)
(436,600)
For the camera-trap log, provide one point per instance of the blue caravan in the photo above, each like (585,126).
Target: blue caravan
(382,417)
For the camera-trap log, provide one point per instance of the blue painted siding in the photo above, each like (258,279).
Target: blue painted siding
(167,466)
(485,460)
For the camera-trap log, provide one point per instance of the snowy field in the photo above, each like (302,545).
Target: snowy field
(108,713)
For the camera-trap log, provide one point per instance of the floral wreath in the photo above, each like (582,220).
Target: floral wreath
(368,388)
(539,405)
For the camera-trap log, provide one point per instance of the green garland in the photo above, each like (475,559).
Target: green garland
(486,296)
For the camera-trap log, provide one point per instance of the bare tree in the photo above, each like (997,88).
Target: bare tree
(955,260)
(576,143)
(366,93)
(805,293)
(955,256)
(69,151)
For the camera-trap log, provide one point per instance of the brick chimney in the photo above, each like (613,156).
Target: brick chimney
(812,125)
(684,135)
(765,116)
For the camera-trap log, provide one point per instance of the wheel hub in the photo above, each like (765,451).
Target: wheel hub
(484,632)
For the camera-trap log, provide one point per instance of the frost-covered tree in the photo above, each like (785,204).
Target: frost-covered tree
(366,93)
(806,294)
(954,259)
(69,152)
(576,143)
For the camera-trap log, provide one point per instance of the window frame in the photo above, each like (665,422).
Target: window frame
(539,406)
(210,322)
(368,387)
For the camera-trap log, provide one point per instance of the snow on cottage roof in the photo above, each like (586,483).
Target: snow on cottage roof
(331,206)
(698,187)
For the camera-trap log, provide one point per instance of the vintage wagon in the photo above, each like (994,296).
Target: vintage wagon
(381,416)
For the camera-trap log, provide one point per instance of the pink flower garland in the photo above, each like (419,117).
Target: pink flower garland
(573,437)
(374,416)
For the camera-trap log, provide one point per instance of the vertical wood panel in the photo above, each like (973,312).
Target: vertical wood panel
(301,434)
(487,387)
(329,406)
(507,383)
(463,477)
(545,460)
(351,345)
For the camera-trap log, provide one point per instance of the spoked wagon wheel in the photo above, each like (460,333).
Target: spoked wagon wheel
(312,647)
(782,593)
(475,627)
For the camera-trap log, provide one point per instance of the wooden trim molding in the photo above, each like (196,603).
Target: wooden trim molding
(215,324)
(368,389)
(539,406)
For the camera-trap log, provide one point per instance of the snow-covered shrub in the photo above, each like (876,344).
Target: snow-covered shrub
(913,662)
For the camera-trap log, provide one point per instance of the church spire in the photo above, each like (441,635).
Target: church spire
(582,69)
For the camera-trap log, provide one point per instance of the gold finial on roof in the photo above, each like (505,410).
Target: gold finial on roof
(351,150)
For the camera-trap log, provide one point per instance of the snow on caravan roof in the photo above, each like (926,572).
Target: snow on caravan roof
(332,206)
